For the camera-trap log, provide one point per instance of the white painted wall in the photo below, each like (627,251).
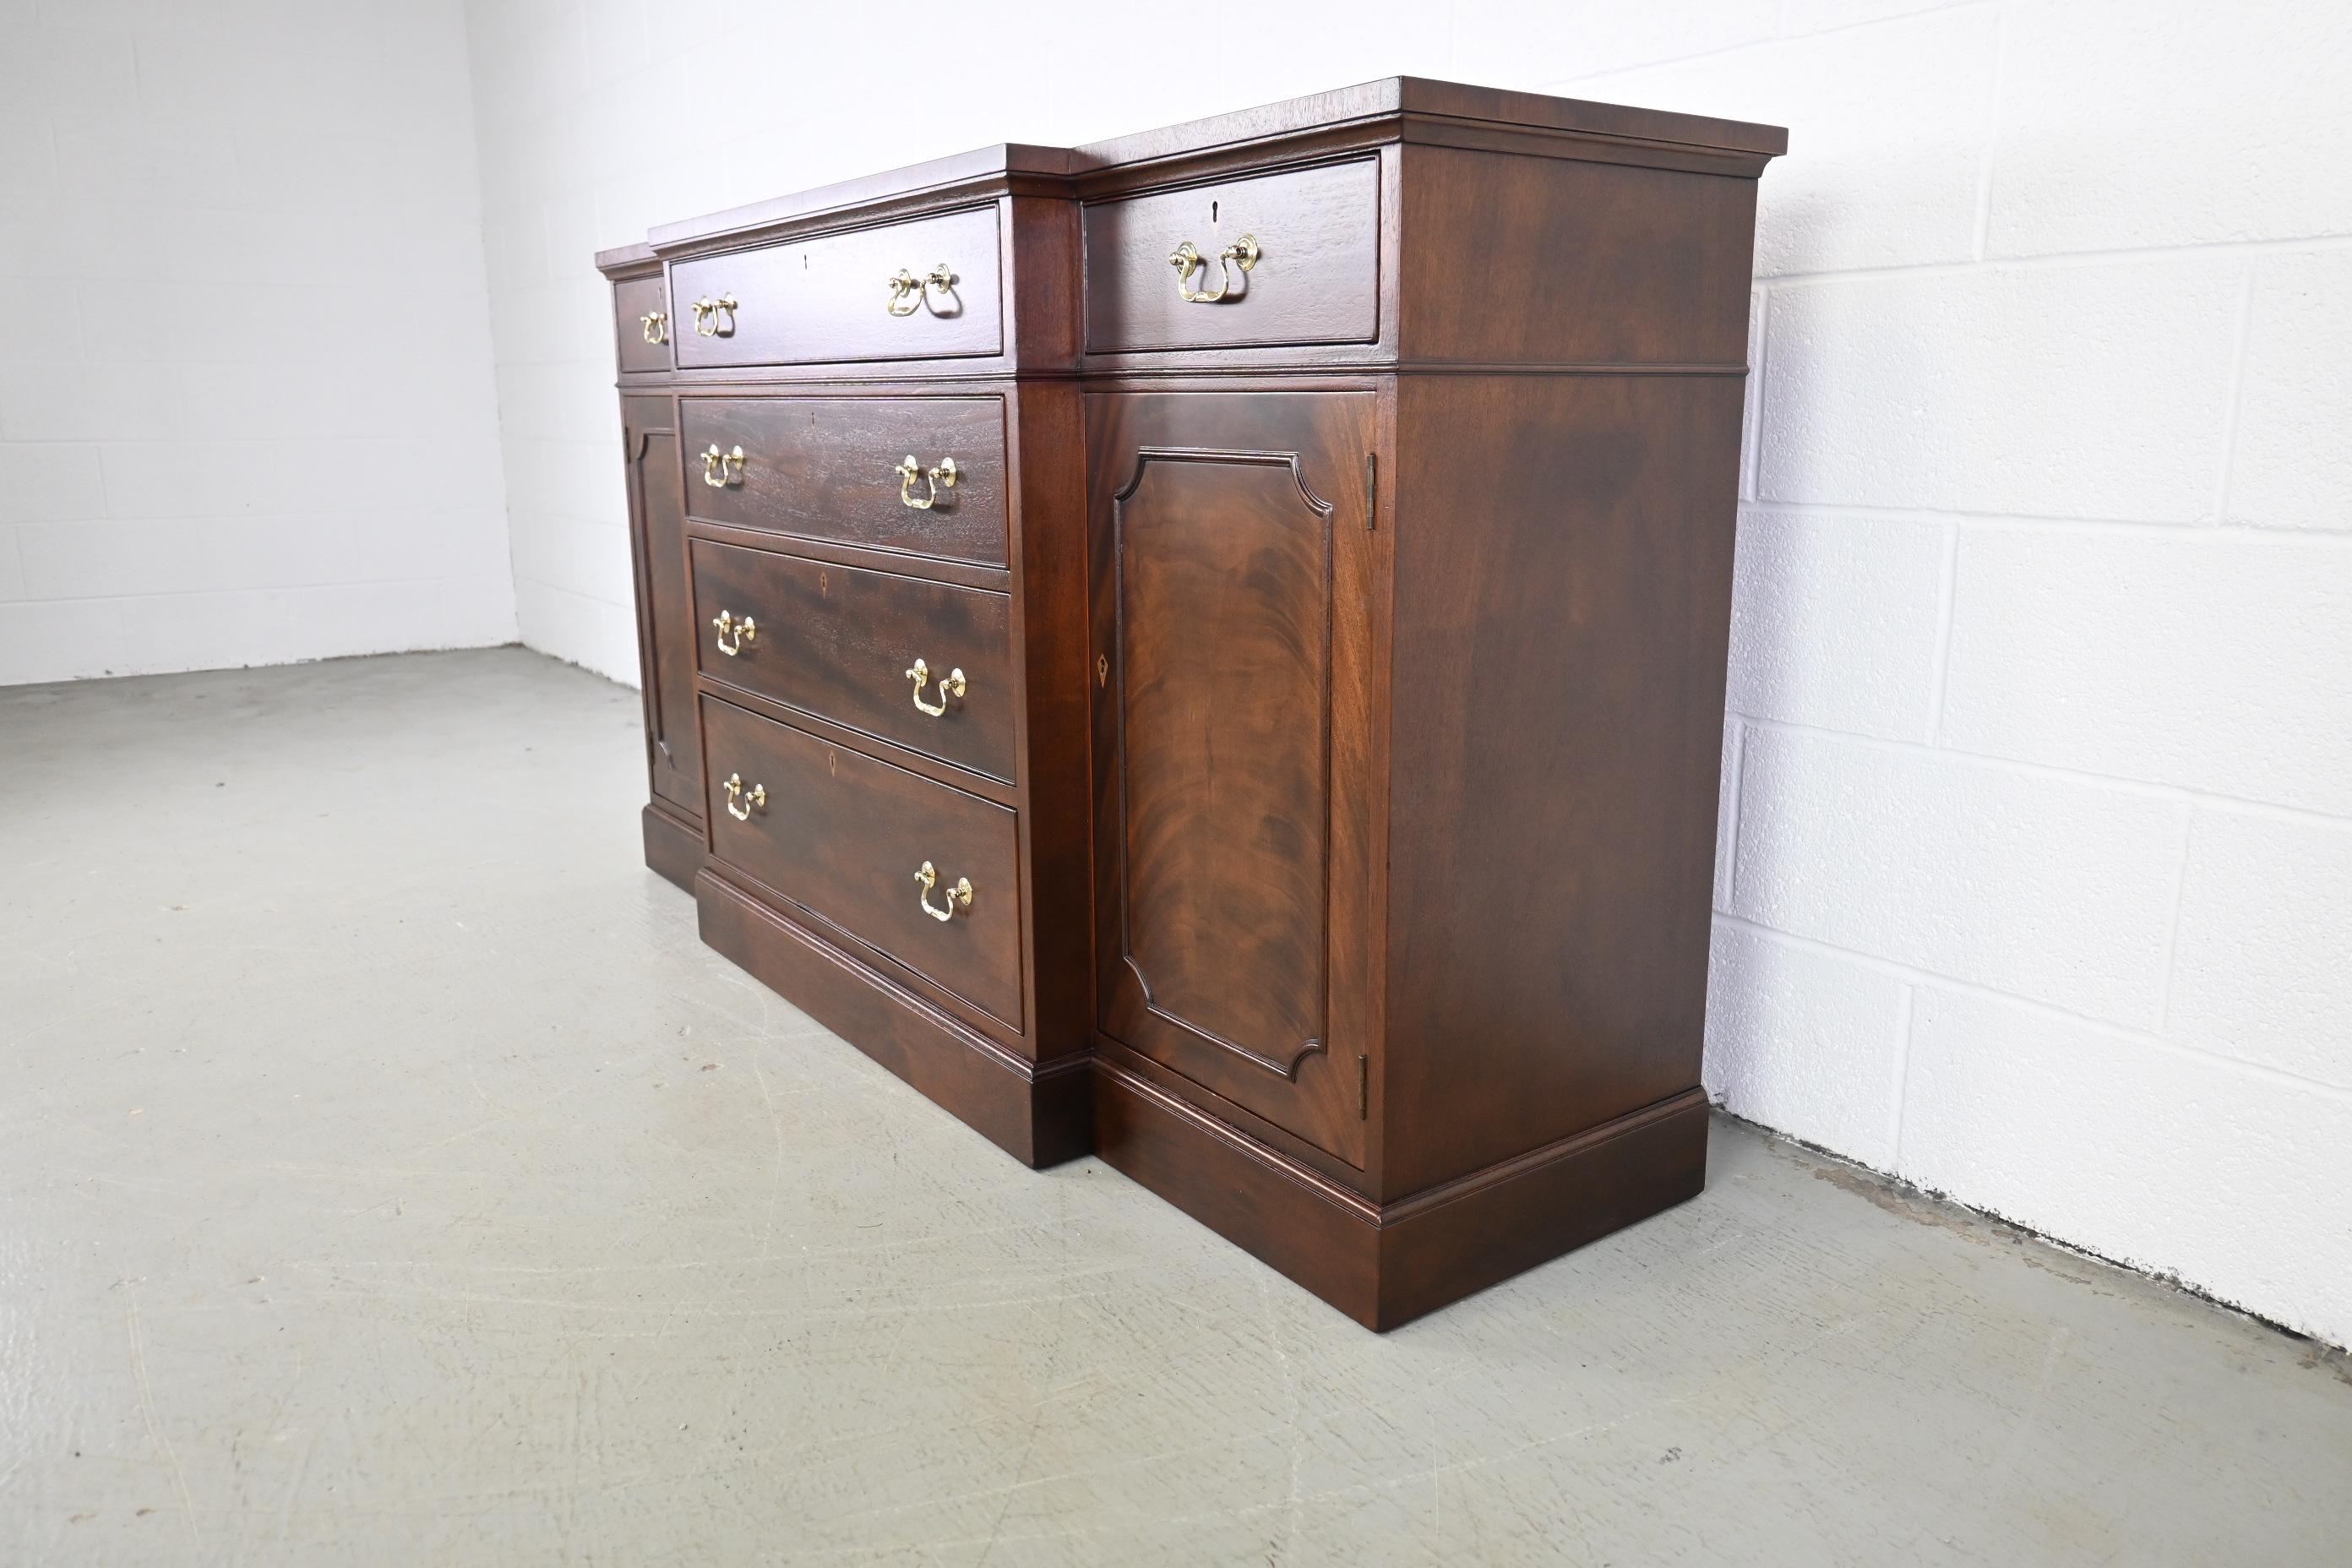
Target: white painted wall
(2036,881)
(246,412)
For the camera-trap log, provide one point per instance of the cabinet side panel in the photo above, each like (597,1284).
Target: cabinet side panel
(1563,607)
(1511,259)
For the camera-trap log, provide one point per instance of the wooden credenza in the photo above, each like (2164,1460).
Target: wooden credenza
(1208,649)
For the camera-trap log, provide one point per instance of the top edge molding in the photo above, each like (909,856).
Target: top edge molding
(1386,110)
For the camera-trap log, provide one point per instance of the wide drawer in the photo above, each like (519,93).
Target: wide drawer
(843,644)
(1314,278)
(837,297)
(833,468)
(843,836)
(641,323)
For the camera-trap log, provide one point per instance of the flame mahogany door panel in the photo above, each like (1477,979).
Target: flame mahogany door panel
(1232,561)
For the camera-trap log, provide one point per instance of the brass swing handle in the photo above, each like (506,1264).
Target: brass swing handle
(910,294)
(951,684)
(707,313)
(734,633)
(961,893)
(757,796)
(719,469)
(1241,253)
(942,478)
(656,327)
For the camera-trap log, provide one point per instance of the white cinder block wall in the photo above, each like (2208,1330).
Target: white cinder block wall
(2036,873)
(246,410)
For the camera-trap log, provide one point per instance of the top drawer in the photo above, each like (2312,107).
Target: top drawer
(1289,258)
(641,314)
(841,297)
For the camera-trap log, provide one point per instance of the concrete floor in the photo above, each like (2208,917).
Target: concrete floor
(388,1175)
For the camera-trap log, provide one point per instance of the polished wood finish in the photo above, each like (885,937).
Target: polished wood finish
(1232,779)
(836,641)
(635,300)
(1316,278)
(1039,1112)
(825,467)
(825,298)
(1346,654)
(664,601)
(841,835)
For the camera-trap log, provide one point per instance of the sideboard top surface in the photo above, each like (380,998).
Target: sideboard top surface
(1390,104)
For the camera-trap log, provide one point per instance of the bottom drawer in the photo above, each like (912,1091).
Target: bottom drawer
(842,835)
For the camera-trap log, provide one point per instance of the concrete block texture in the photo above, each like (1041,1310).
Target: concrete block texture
(1806,1041)
(2053,887)
(2293,466)
(2170,1161)
(1835,623)
(2262,969)
(252,416)
(2078,391)
(2126,125)
(2214,662)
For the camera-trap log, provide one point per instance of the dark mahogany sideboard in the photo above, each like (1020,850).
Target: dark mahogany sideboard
(1208,649)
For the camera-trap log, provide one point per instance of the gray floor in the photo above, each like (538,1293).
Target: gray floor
(388,1175)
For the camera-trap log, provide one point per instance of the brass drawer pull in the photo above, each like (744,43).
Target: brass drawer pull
(951,684)
(930,879)
(757,796)
(740,632)
(942,478)
(910,294)
(708,314)
(1241,253)
(719,469)
(657,326)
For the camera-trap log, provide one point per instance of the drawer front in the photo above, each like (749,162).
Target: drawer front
(832,299)
(843,834)
(1315,279)
(828,468)
(838,642)
(641,323)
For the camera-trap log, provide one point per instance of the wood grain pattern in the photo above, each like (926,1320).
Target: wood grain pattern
(836,642)
(1544,260)
(841,835)
(1340,797)
(1317,280)
(825,298)
(1563,601)
(1040,1115)
(824,468)
(666,601)
(1221,525)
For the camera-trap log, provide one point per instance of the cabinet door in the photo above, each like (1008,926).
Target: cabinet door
(1232,562)
(665,602)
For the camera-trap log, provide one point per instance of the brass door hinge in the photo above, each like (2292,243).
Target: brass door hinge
(1364,1089)
(1372,492)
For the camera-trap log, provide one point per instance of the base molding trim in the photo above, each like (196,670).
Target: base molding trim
(1387,1265)
(1038,1113)
(673,846)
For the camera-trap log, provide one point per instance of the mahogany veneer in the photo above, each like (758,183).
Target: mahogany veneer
(1315,526)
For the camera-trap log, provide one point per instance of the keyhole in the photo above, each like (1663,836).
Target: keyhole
(1213,214)
(1102,669)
